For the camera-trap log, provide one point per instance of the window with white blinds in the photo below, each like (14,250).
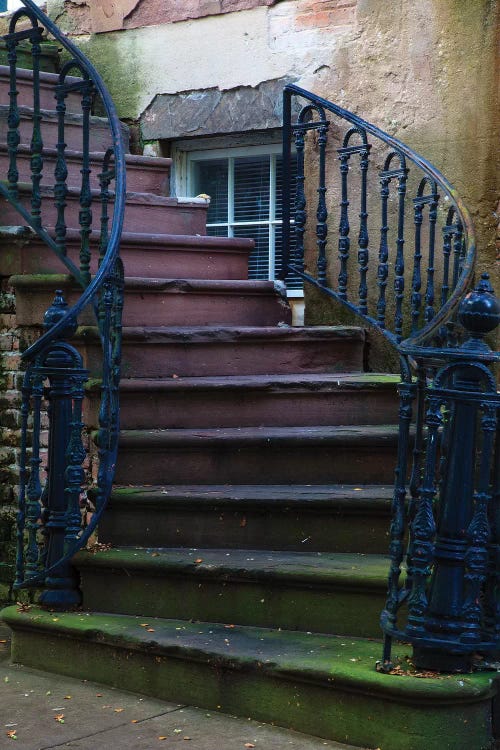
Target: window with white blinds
(244,186)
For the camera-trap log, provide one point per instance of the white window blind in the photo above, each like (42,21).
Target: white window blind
(245,190)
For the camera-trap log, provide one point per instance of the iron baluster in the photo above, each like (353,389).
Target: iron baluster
(105,178)
(36,161)
(479,534)
(300,200)
(416,283)
(448,233)
(383,253)
(399,266)
(344,241)
(322,213)
(75,456)
(363,230)
(61,169)
(34,488)
(286,164)
(429,292)
(458,246)
(85,217)
(13,135)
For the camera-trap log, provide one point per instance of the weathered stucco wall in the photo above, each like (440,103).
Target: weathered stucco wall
(427,72)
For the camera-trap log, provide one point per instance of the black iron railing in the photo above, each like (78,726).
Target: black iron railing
(407,272)
(50,518)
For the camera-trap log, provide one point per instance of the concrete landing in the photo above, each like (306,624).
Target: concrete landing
(47,711)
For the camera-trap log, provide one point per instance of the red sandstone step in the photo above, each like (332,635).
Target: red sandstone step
(166,301)
(100,134)
(144,211)
(145,174)
(166,255)
(150,352)
(254,400)
(324,518)
(259,455)
(24,86)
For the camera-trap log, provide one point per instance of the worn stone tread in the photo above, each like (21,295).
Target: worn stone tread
(306,497)
(351,570)
(308,657)
(344,435)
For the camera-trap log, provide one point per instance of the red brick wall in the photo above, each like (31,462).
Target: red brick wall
(108,15)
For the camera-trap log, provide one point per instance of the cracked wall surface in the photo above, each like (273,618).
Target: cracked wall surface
(426,72)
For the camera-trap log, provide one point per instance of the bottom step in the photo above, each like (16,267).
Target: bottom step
(321,685)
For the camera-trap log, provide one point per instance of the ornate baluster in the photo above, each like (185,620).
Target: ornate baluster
(416,297)
(399,266)
(21,505)
(75,456)
(344,228)
(105,178)
(383,253)
(458,252)
(36,140)
(85,217)
(61,169)
(34,488)
(424,527)
(13,135)
(448,232)
(363,231)
(492,603)
(322,213)
(478,534)
(300,200)
(429,292)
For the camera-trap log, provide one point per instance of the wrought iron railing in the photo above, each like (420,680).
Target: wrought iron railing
(51,525)
(445,530)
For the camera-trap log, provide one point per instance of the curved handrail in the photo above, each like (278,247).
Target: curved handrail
(107,264)
(433,175)
(49,357)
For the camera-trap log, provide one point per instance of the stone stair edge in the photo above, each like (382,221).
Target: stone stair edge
(134,160)
(125,631)
(358,571)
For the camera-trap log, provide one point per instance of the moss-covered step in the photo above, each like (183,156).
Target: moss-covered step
(260,455)
(322,685)
(145,174)
(254,400)
(143,253)
(156,301)
(48,82)
(191,351)
(323,518)
(318,591)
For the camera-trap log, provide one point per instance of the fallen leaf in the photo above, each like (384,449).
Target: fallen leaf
(162,737)
(198,560)
(249,744)
(134,721)
(59,718)
(150,630)
(118,710)
(186,738)
(3,641)
(11,733)
(144,624)
(98,695)
(5,679)
(155,554)
(67,697)
(243,522)
(174,375)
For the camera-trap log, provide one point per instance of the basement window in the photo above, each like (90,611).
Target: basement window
(244,185)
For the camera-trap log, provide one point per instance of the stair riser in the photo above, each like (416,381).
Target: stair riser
(169,308)
(152,360)
(147,261)
(99,136)
(139,216)
(231,408)
(265,463)
(260,603)
(139,180)
(24,86)
(239,529)
(345,715)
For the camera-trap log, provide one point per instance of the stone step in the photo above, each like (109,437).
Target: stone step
(318,684)
(145,174)
(254,400)
(322,518)
(320,592)
(100,137)
(169,255)
(144,211)
(166,301)
(48,82)
(149,352)
(260,455)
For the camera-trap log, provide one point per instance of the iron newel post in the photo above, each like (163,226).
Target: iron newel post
(453,560)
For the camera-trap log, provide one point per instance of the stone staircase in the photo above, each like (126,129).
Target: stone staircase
(241,563)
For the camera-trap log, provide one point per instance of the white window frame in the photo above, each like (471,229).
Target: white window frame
(231,154)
